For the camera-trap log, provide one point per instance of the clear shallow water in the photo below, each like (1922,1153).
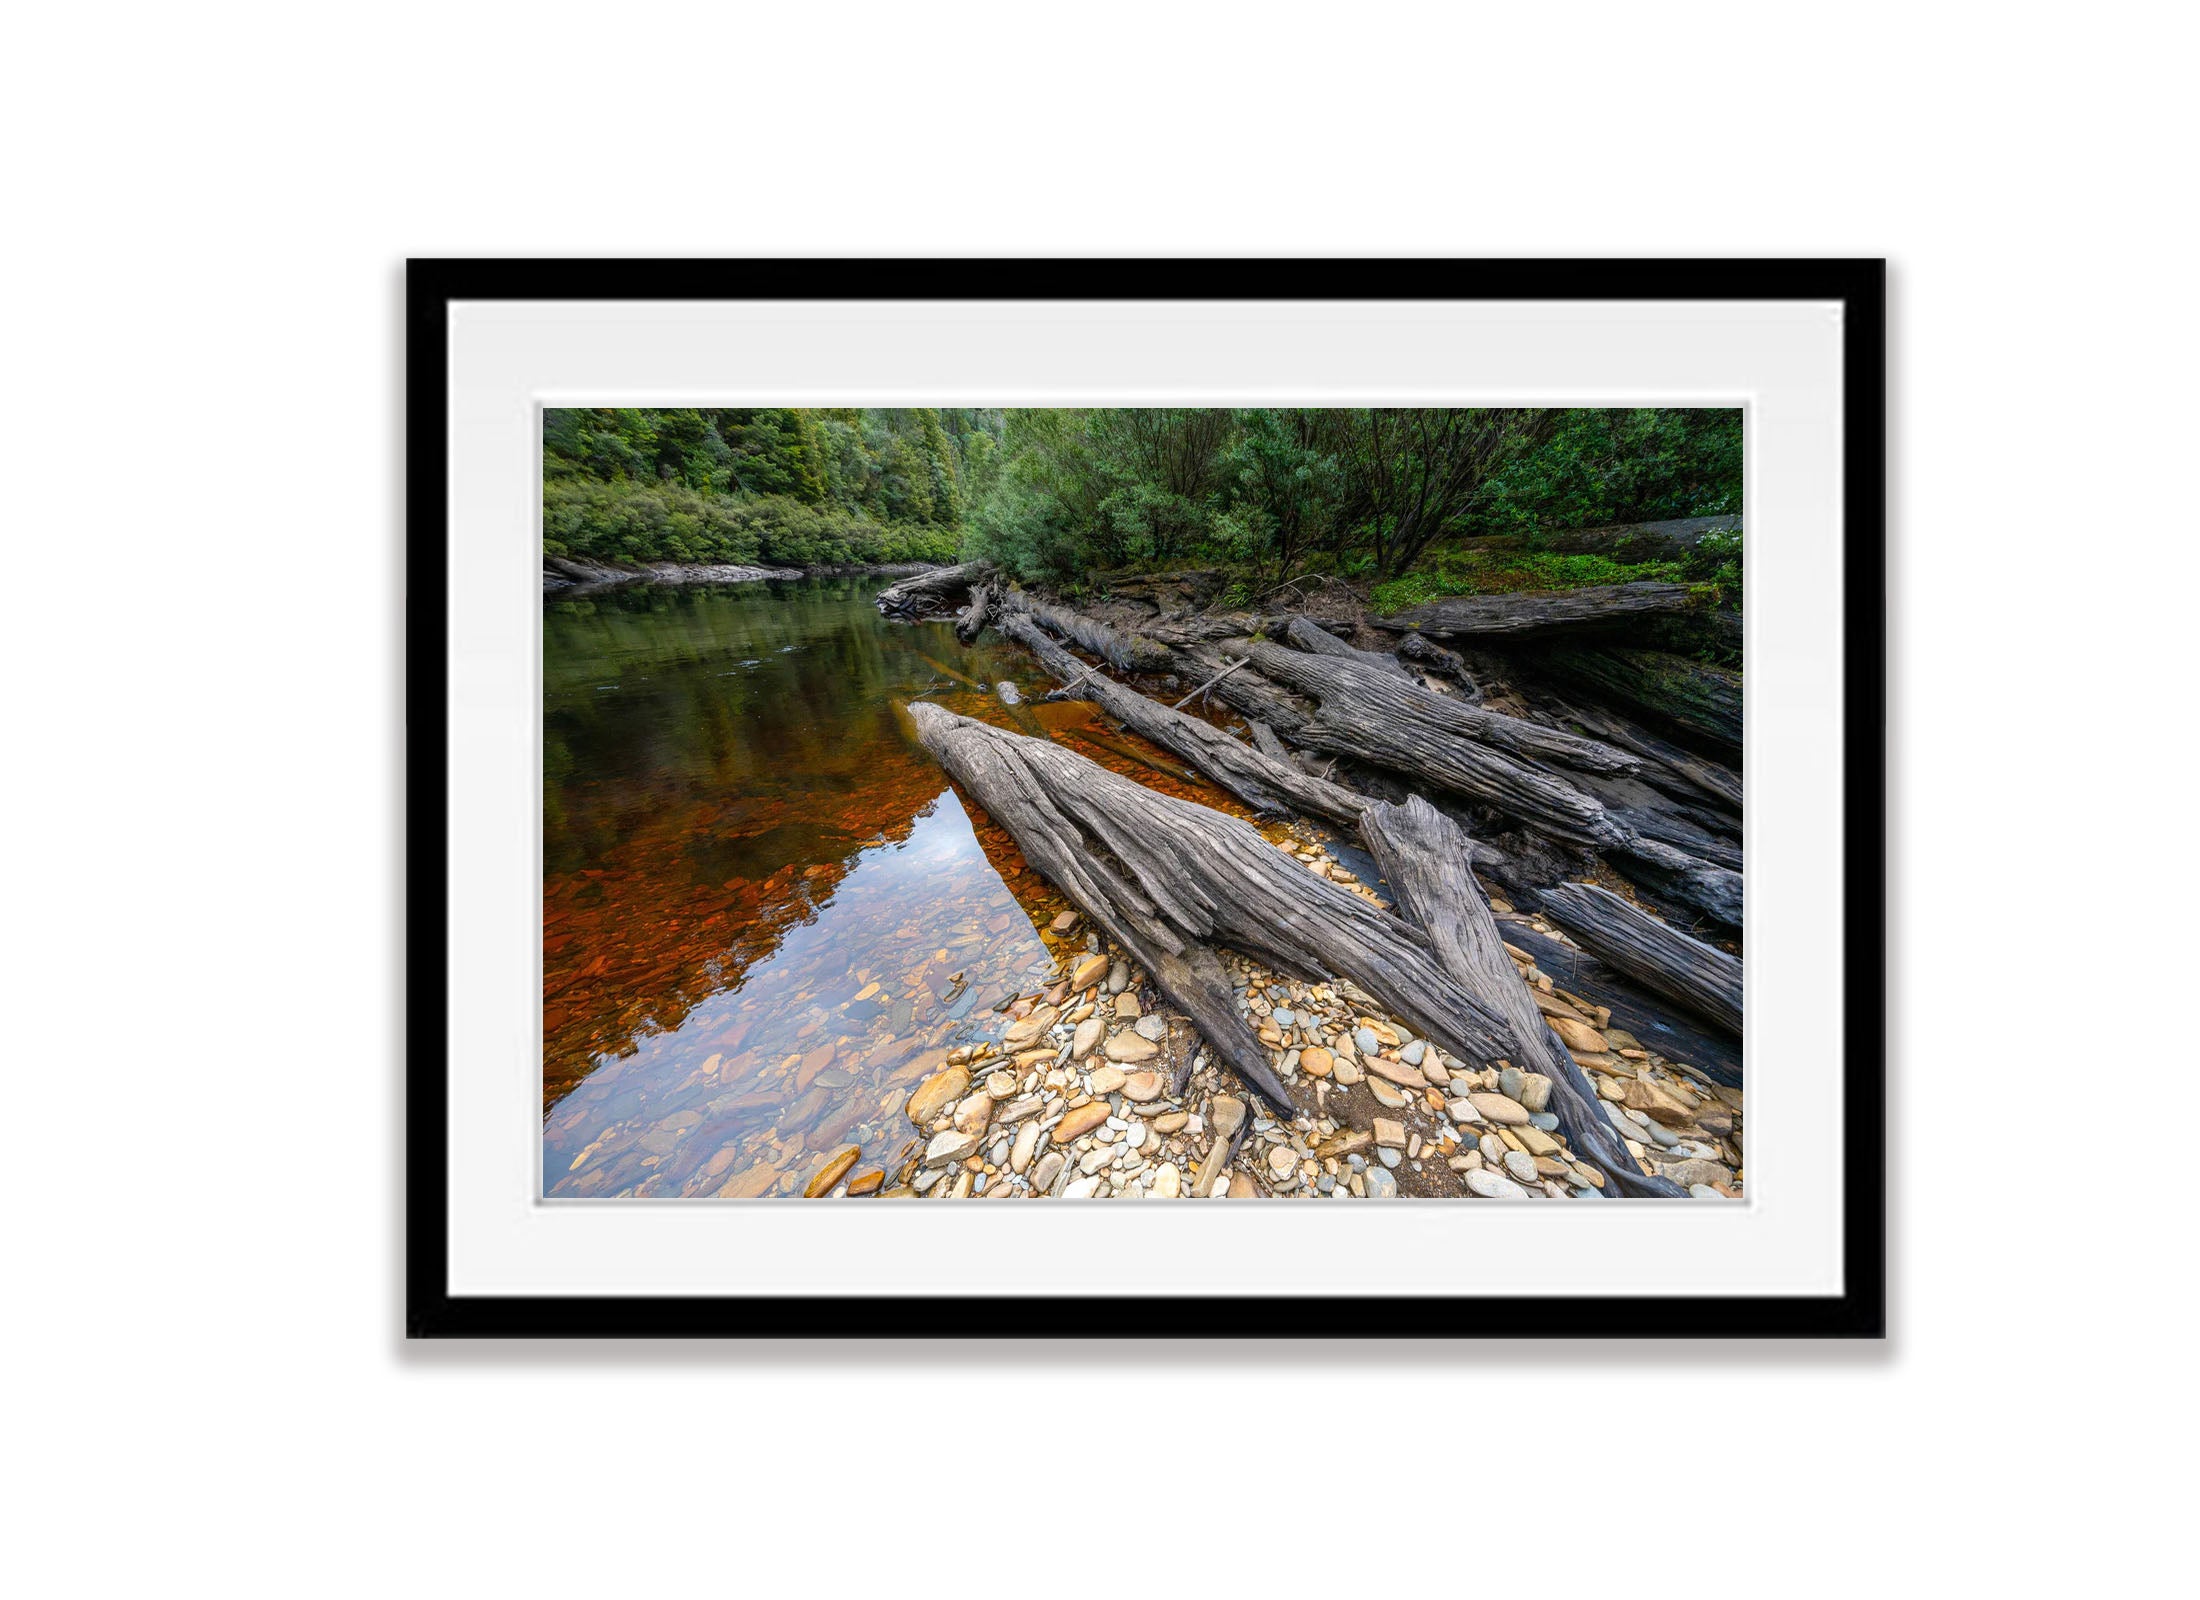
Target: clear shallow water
(766,914)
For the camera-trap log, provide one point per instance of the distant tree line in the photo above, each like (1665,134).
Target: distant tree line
(1059,494)
(784,486)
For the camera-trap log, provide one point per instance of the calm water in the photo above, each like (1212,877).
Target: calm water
(766,915)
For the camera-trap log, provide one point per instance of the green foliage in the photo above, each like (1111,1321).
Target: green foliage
(1274,491)
(781,486)
(1607,466)
(1058,495)
(624,521)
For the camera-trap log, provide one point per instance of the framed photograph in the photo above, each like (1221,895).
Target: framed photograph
(892,736)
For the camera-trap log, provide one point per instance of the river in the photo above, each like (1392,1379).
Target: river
(766,914)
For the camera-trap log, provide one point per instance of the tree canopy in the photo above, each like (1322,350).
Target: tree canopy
(1059,494)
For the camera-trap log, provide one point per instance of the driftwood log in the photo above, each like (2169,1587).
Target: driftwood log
(1319,641)
(974,617)
(1700,977)
(1172,882)
(1694,774)
(1696,1047)
(935,590)
(1519,616)
(1357,689)
(1691,695)
(1269,785)
(1424,859)
(1501,762)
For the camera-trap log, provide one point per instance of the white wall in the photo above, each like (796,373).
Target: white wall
(208,208)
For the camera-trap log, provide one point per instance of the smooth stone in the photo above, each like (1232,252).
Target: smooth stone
(1076,1124)
(1167,1182)
(1385,1095)
(1049,1168)
(974,1113)
(1089,1033)
(1520,1165)
(1128,1008)
(1134,1138)
(937,1093)
(1535,1141)
(1348,1073)
(1546,1120)
(1026,1146)
(1380,1185)
(1106,1080)
(1317,1061)
(1389,1133)
(1119,978)
(1228,1115)
(1462,1110)
(1366,1042)
(950,1147)
(1153,1029)
(1130,1047)
(1017,1110)
(835,1168)
(1241,1187)
(1388,1156)
(998,1155)
(1578,1035)
(1509,1080)
(1397,1072)
(1500,1109)
(864,1183)
(1081,1189)
(1535,1091)
(1690,1173)
(1143,1086)
(1087,972)
(1021,1034)
(1282,1161)
(1490,1186)
(1063,921)
(1411,1054)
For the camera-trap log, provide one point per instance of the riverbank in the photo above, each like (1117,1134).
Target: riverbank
(569,575)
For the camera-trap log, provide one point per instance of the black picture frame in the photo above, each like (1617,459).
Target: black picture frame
(1859,1311)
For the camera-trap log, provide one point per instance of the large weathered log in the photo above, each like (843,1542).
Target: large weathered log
(935,590)
(1319,641)
(1691,772)
(1519,616)
(1127,652)
(1639,541)
(1692,695)
(1424,860)
(979,612)
(1171,881)
(1704,979)
(1494,760)
(1267,785)
(1332,679)
(1680,1037)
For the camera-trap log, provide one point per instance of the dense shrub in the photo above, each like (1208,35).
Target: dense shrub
(622,520)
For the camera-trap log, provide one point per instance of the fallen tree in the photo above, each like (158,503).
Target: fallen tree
(1692,695)
(1701,977)
(1423,855)
(1266,784)
(1494,760)
(1696,1046)
(1319,641)
(934,590)
(1171,882)
(1517,616)
(974,616)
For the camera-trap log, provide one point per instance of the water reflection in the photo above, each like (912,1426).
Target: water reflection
(766,916)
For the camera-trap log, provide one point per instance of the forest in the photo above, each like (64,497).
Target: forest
(1414,502)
